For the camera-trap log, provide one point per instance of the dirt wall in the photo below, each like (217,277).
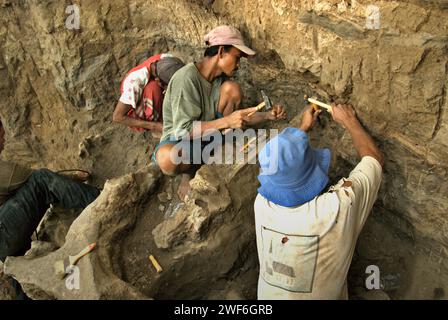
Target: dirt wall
(58,88)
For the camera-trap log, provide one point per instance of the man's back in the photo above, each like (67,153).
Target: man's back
(305,252)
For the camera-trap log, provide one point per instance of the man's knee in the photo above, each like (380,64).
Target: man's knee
(231,90)
(231,97)
(164,160)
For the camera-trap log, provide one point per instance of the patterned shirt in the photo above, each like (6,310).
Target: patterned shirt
(142,93)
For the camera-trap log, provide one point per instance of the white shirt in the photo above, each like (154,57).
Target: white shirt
(305,252)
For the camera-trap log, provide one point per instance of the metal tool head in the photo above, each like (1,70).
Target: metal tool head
(267,101)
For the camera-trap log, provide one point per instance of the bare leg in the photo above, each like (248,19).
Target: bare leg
(230,98)
(169,168)
(184,186)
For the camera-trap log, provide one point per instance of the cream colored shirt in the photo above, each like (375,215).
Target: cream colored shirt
(305,252)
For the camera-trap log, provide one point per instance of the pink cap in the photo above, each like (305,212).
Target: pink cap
(227,35)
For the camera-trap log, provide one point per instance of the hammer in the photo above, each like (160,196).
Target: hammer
(265,104)
(268,105)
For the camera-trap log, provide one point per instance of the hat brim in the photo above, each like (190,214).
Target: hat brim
(246,50)
(295,196)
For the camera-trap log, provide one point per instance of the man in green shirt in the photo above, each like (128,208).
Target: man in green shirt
(199,94)
(25,196)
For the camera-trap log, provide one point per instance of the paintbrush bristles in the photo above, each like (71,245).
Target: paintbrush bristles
(61,266)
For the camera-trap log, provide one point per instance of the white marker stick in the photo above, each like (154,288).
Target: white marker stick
(321,104)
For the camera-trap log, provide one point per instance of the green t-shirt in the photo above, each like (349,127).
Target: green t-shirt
(12,177)
(189,97)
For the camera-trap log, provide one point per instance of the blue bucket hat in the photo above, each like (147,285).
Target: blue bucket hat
(292,172)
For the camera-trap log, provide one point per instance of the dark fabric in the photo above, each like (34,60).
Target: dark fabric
(166,67)
(18,291)
(21,214)
(189,145)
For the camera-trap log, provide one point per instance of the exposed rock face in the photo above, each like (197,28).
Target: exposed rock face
(6,290)
(105,222)
(59,87)
(209,227)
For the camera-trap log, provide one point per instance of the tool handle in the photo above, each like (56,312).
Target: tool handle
(321,104)
(248,144)
(84,251)
(259,107)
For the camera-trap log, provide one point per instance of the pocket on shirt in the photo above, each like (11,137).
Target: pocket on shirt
(288,261)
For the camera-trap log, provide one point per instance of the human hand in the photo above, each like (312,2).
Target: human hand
(343,114)
(237,119)
(156,135)
(153,126)
(276,113)
(309,118)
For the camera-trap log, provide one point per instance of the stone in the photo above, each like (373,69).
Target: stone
(40,248)
(163,197)
(6,290)
(363,294)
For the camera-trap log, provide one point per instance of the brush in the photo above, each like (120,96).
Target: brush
(62,265)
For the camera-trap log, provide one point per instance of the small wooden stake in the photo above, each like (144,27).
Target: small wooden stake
(155,264)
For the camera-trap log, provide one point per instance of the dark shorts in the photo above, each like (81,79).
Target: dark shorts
(190,146)
(162,143)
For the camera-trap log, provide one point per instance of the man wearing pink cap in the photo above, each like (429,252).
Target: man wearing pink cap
(200,92)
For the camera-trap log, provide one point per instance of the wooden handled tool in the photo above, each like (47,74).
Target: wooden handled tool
(246,146)
(259,107)
(321,104)
(62,265)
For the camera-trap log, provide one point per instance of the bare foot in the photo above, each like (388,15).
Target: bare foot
(184,186)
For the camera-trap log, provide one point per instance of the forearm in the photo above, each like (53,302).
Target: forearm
(131,122)
(154,126)
(203,126)
(128,121)
(257,118)
(363,142)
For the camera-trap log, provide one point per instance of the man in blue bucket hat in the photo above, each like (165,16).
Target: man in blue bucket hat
(306,233)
